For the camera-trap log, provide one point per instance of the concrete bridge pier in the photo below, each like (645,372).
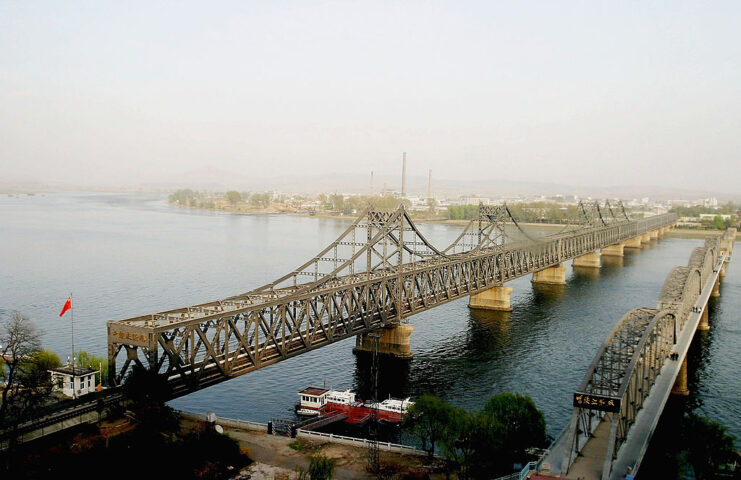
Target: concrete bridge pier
(654,234)
(680,384)
(634,242)
(723,269)
(591,259)
(704,325)
(614,250)
(395,341)
(716,288)
(646,237)
(551,276)
(495,298)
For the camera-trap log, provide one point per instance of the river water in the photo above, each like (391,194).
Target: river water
(123,255)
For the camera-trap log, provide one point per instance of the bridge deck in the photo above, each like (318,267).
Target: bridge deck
(591,462)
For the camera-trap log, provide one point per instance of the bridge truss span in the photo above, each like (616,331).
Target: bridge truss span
(377,273)
(634,371)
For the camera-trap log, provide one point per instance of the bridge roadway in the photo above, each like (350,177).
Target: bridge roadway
(602,450)
(378,272)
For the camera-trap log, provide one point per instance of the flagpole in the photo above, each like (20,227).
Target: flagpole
(72,313)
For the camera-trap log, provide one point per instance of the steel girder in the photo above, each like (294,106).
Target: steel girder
(378,272)
(626,366)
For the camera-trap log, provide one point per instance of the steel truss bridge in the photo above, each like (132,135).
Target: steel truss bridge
(643,359)
(378,272)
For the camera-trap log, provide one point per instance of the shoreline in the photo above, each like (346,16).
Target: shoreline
(673,233)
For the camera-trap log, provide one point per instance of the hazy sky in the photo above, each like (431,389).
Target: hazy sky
(604,93)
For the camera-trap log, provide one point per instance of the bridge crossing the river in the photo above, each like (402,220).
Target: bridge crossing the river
(380,271)
(642,361)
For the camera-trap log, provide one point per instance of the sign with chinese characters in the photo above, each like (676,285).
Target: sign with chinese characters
(596,402)
(123,334)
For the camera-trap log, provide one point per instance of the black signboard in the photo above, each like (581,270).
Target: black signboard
(596,402)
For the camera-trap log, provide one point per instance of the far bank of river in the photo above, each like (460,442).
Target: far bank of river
(674,233)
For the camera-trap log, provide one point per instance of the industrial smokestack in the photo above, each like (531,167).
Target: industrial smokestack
(404,176)
(429,185)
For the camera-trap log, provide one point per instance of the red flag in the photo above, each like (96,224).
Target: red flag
(67,306)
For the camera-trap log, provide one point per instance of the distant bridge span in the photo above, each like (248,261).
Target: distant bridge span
(378,272)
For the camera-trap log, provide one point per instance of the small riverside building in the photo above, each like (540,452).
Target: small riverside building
(314,398)
(73,381)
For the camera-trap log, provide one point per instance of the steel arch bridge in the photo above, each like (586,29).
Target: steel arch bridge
(381,270)
(645,344)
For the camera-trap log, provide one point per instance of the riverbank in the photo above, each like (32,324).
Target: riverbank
(283,457)
(673,233)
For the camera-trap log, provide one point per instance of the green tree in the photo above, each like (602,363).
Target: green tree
(183,197)
(41,362)
(95,362)
(338,202)
(322,467)
(430,418)
(260,199)
(148,392)
(521,423)
(709,445)
(718,223)
(480,444)
(233,197)
(462,440)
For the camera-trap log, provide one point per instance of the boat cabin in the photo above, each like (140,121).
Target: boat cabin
(314,398)
(343,398)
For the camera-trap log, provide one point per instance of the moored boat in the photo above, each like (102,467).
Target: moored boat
(321,401)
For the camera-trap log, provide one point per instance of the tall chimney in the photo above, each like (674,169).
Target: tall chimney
(404,176)
(429,185)
(371,183)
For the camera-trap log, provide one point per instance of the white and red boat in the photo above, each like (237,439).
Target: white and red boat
(321,401)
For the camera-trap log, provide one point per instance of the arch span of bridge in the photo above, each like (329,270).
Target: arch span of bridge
(380,271)
(642,361)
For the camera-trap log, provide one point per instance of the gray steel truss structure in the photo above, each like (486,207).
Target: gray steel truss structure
(621,376)
(380,271)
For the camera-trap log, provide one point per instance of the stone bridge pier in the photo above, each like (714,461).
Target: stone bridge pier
(395,341)
(551,276)
(495,298)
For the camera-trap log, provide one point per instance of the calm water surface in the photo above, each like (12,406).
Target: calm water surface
(127,255)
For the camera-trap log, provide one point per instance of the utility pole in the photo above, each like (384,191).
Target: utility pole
(373,457)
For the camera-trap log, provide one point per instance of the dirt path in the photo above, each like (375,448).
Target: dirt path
(271,450)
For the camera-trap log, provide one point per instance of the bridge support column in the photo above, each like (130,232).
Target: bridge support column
(591,259)
(634,242)
(716,288)
(646,237)
(496,298)
(704,325)
(395,342)
(680,384)
(654,234)
(551,276)
(723,269)
(614,250)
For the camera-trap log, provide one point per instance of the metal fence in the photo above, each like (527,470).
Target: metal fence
(360,442)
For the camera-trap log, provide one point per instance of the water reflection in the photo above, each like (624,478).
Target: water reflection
(611,262)
(591,274)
